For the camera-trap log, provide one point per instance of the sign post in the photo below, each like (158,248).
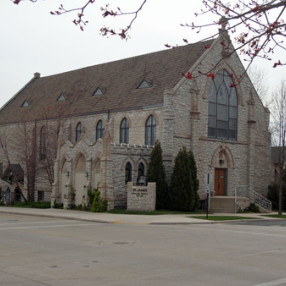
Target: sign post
(208,193)
(207,190)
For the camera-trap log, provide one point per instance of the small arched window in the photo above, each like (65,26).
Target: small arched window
(99,129)
(150,131)
(78,131)
(128,173)
(43,149)
(222,108)
(141,170)
(141,180)
(124,131)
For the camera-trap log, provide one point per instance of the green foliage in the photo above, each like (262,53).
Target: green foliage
(252,208)
(97,203)
(273,196)
(222,218)
(57,205)
(72,195)
(183,183)
(195,180)
(38,205)
(156,173)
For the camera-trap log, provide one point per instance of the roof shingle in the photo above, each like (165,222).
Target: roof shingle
(118,80)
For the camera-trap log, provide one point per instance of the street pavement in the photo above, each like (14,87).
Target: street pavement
(122,218)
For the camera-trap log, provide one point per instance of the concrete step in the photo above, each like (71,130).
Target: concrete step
(222,204)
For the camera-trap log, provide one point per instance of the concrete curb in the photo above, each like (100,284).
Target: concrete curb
(125,219)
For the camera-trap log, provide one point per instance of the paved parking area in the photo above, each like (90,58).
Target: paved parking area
(38,251)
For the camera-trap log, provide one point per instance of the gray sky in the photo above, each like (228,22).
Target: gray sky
(32,40)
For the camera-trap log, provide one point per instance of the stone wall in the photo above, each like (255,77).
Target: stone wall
(121,154)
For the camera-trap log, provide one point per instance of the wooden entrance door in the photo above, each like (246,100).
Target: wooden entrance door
(220,182)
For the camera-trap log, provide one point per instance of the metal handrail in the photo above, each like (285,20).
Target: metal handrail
(244,191)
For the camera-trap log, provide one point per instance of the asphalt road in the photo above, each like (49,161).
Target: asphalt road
(36,251)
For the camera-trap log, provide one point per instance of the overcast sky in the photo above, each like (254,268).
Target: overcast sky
(32,40)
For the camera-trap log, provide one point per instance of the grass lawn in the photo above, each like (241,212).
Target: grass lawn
(222,218)
(38,205)
(276,216)
(158,212)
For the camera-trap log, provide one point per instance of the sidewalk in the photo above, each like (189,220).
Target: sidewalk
(119,218)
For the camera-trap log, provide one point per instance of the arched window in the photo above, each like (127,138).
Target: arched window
(43,149)
(78,131)
(222,109)
(150,131)
(99,129)
(141,170)
(128,173)
(124,131)
(141,180)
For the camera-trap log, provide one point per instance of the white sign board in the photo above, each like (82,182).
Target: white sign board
(208,189)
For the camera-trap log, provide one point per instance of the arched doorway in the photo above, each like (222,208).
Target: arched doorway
(64,181)
(222,162)
(80,180)
(96,173)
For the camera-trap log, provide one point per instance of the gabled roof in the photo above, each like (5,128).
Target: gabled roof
(119,79)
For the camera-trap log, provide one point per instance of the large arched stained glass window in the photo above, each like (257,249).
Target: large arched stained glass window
(150,131)
(124,131)
(222,110)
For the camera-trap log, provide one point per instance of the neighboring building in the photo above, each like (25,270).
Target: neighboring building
(98,124)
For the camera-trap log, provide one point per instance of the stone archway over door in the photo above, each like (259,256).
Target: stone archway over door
(64,182)
(220,181)
(223,165)
(79,180)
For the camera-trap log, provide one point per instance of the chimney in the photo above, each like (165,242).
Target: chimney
(37,75)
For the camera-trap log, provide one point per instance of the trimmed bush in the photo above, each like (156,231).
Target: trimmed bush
(156,173)
(273,196)
(97,203)
(183,188)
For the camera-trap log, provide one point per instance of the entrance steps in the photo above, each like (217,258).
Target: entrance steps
(225,204)
(222,204)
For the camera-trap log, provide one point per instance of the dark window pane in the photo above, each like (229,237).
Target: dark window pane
(124,131)
(212,93)
(212,121)
(222,95)
(211,132)
(222,107)
(78,132)
(218,79)
(150,131)
(232,112)
(222,124)
(128,173)
(233,97)
(222,133)
(212,109)
(222,113)
(99,129)
(232,134)
(232,124)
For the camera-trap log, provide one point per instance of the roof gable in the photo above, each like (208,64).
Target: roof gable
(119,81)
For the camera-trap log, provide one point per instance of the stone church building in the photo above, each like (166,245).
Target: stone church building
(95,126)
